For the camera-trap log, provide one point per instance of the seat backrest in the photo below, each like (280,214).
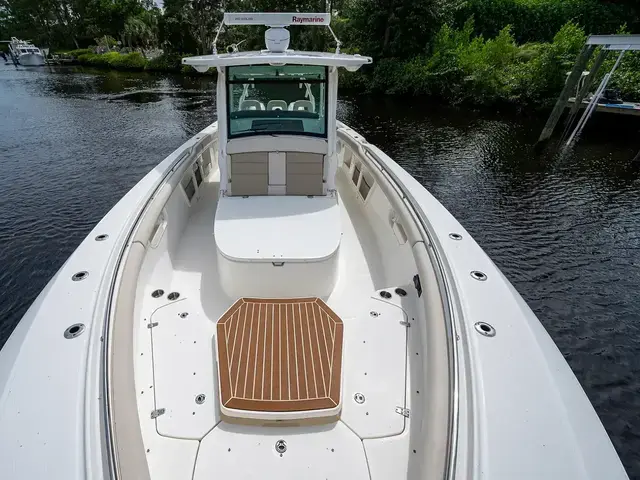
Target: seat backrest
(304,173)
(277,105)
(252,105)
(249,173)
(305,105)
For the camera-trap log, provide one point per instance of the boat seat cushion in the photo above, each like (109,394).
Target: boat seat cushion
(305,173)
(277,105)
(252,105)
(250,173)
(304,105)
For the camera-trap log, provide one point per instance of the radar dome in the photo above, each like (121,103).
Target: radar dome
(277,39)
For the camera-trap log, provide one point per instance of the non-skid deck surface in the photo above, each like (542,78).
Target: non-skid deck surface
(280,355)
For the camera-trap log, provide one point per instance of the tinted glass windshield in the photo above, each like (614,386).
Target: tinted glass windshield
(277,99)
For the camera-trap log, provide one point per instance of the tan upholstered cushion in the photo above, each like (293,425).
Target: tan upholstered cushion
(249,173)
(304,173)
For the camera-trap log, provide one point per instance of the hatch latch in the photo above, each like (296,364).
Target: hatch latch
(156,413)
(405,412)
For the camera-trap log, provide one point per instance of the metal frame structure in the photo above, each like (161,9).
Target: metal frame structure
(606,43)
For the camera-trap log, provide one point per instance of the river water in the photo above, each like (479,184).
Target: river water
(564,229)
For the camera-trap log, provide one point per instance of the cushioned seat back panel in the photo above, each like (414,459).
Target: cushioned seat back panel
(304,173)
(249,173)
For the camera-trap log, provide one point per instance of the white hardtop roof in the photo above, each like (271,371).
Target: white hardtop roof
(266,57)
(277,52)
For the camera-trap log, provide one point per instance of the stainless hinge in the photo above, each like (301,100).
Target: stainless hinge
(403,411)
(405,324)
(152,324)
(157,413)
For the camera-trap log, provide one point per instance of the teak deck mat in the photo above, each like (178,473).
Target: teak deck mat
(280,355)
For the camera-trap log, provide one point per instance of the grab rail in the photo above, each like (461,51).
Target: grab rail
(366,152)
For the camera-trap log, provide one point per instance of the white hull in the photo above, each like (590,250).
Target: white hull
(506,406)
(31,59)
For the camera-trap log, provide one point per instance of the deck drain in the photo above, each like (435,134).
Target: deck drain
(281,446)
(359,398)
(485,329)
(374,314)
(478,275)
(157,293)
(102,237)
(74,330)
(455,236)
(200,399)
(385,294)
(173,296)
(183,314)
(80,276)
(401,292)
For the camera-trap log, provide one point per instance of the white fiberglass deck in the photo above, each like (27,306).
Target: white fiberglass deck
(176,367)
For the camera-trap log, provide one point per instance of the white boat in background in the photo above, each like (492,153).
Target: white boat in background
(279,299)
(25,53)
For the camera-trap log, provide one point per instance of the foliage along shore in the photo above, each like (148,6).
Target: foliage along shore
(482,52)
(132,61)
(463,69)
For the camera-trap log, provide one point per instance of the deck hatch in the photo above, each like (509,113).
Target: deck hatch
(280,355)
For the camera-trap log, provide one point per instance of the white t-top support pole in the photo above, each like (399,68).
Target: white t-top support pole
(222,130)
(331,164)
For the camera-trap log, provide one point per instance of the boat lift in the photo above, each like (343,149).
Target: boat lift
(608,43)
(12,56)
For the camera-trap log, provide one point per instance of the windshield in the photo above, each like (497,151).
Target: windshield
(277,99)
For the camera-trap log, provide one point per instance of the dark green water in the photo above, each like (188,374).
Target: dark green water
(565,230)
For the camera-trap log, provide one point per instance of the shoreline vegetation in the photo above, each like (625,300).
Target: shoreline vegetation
(477,52)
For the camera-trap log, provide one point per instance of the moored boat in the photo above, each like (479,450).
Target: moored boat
(25,53)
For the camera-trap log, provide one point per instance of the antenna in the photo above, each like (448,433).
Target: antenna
(233,48)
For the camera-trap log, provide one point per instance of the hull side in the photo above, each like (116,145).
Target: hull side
(51,395)
(31,60)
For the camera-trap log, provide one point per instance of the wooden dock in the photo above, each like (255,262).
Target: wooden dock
(60,61)
(624,108)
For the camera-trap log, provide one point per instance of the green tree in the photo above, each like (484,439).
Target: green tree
(397,28)
(191,25)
